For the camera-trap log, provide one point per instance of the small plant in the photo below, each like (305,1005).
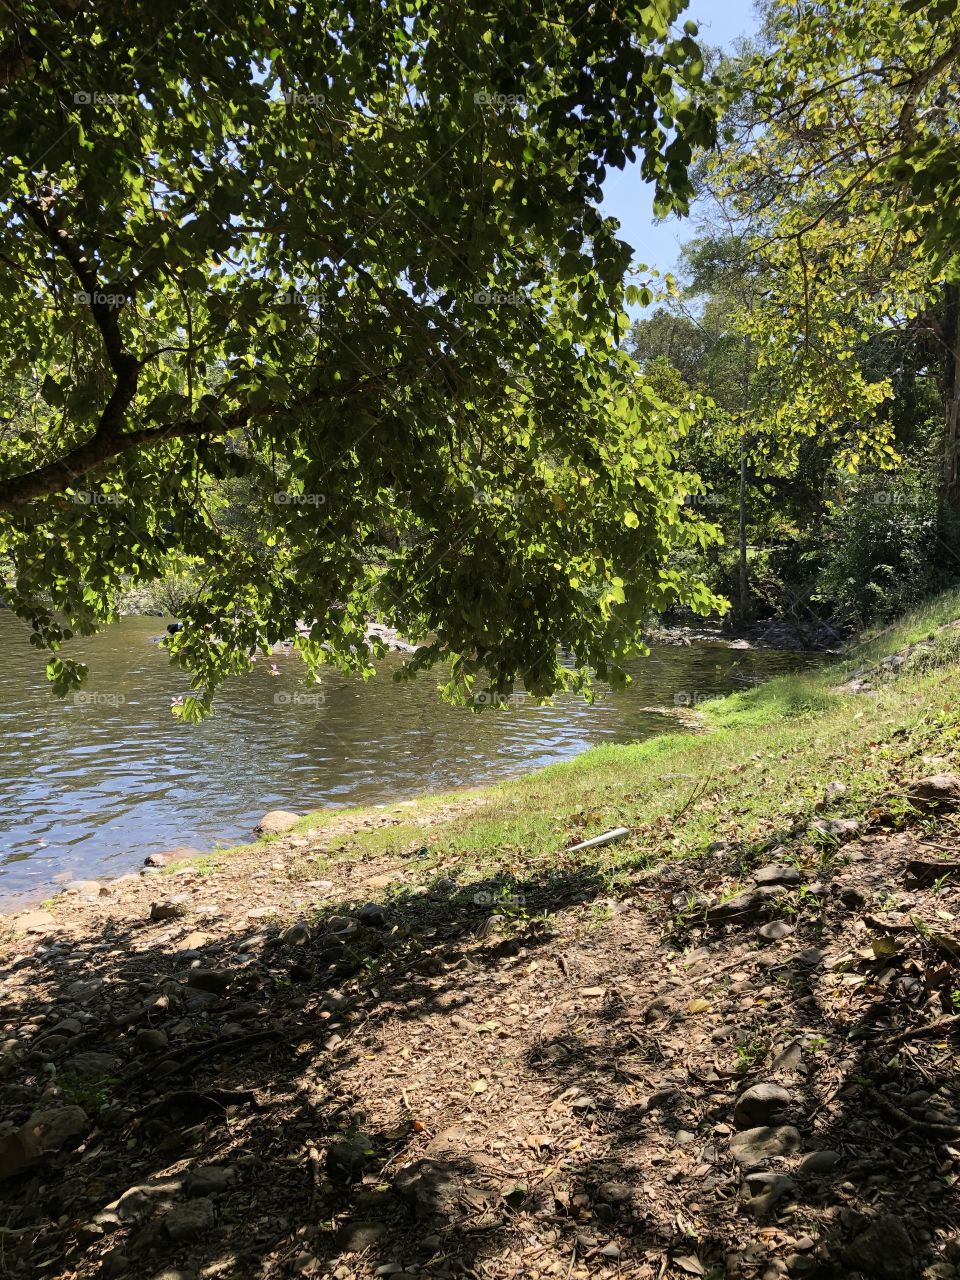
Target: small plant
(749,1052)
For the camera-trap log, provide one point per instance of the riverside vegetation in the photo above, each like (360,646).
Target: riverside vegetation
(433,1039)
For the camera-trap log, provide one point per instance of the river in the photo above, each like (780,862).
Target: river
(90,785)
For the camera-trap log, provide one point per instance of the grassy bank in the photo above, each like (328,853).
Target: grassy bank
(756,769)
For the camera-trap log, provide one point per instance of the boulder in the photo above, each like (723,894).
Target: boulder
(760,1104)
(884,1250)
(276,822)
(45,1133)
(754,1147)
(940,791)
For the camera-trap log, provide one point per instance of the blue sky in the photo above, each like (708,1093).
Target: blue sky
(626,196)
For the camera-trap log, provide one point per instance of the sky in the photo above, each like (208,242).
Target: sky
(626,196)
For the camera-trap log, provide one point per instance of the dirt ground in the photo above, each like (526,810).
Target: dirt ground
(366,1070)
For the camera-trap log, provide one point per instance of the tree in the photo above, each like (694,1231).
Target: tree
(351,255)
(844,170)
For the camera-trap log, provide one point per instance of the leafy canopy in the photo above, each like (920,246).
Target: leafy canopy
(350,258)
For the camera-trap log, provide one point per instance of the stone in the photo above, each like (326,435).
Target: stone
(884,1250)
(151,1041)
(189,1221)
(209,1180)
(940,791)
(136,1202)
(777,873)
(357,1236)
(86,888)
(754,1147)
(818,1163)
(44,1134)
(833,792)
(340,924)
(768,1191)
(214,981)
(166,856)
(372,915)
(297,935)
(775,930)
(718,846)
(615,1192)
(91,1065)
(741,906)
(84,990)
(759,1105)
(839,829)
(165,910)
(430,1187)
(34,922)
(276,822)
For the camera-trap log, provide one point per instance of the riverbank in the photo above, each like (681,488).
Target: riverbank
(437,1039)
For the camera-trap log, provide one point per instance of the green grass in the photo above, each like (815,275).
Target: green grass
(760,765)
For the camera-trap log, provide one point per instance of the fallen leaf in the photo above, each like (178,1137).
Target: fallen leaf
(698,1006)
(690,1264)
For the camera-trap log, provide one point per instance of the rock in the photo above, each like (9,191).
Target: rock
(754,1147)
(818,1163)
(214,981)
(883,1250)
(940,791)
(84,990)
(718,846)
(776,873)
(34,922)
(614,1192)
(833,792)
(430,1187)
(357,1236)
(347,1159)
(276,822)
(297,935)
(372,915)
(209,1180)
(768,1191)
(775,930)
(91,1065)
(742,906)
(759,1105)
(340,924)
(86,888)
(140,1200)
(189,1221)
(45,1133)
(839,829)
(167,856)
(151,1041)
(165,910)
(171,1273)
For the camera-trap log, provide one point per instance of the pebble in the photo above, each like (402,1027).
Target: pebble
(775,930)
(817,1163)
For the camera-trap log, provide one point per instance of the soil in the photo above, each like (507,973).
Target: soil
(356,1068)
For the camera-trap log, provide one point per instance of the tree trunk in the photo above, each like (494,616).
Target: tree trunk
(950,483)
(743,576)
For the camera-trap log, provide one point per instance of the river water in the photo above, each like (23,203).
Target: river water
(90,785)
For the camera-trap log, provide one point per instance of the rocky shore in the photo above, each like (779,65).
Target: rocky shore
(307,1059)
